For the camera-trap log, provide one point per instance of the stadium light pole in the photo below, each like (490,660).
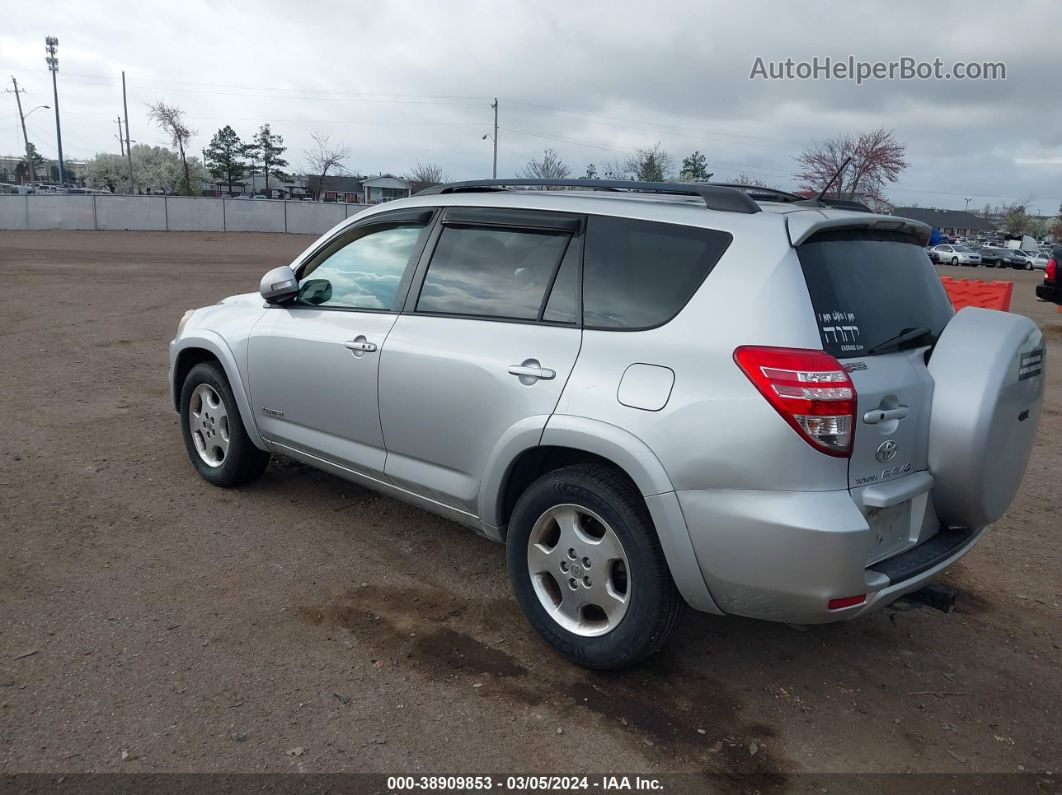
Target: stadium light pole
(51,46)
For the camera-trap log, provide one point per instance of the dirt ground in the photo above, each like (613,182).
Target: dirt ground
(152,622)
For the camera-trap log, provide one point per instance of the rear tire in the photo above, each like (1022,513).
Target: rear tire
(214,436)
(589,521)
(954,260)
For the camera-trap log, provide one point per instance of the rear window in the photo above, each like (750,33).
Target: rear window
(869,287)
(639,274)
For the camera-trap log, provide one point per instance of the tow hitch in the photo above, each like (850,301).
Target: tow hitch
(939,597)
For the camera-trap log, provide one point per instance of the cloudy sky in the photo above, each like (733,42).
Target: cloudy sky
(400,81)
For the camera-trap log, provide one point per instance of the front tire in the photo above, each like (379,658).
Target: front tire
(587,568)
(214,436)
(954,260)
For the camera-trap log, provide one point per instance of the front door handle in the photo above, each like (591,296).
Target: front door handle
(530,371)
(874,416)
(356,345)
(359,346)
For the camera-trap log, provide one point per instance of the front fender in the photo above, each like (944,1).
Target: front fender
(204,339)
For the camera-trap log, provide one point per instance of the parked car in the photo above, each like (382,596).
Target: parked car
(1040,260)
(1051,289)
(955,254)
(993,256)
(683,397)
(1027,258)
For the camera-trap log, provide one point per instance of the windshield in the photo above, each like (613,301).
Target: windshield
(870,287)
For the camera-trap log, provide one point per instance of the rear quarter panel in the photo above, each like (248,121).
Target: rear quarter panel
(716,431)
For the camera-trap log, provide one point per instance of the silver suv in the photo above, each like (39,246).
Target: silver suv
(654,394)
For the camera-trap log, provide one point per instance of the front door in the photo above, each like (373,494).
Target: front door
(484,348)
(314,364)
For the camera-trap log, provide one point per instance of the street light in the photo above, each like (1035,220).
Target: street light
(494,141)
(22,117)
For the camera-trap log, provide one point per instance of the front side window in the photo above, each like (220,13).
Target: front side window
(492,272)
(639,274)
(363,273)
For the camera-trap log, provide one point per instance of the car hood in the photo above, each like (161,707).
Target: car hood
(242,298)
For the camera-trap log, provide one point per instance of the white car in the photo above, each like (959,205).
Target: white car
(955,254)
(1040,260)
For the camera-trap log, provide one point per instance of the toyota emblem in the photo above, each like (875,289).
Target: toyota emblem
(886,451)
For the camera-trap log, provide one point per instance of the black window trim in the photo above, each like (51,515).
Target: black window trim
(463,216)
(426,215)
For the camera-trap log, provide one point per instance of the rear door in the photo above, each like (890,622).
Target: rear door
(879,305)
(486,342)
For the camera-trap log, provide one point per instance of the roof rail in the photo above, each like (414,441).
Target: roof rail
(715,197)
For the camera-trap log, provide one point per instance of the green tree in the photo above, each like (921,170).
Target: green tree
(156,169)
(106,170)
(591,172)
(34,157)
(695,168)
(1015,219)
(649,164)
(266,148)
(225,156)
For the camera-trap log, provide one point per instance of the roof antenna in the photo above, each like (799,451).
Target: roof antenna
(833,179)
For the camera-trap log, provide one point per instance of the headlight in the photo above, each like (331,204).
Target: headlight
(184,319)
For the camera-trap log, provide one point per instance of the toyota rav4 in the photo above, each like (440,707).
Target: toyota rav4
(654,394)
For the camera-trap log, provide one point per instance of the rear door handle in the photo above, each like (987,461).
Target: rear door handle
(360,345)
(875,416)
(523,371)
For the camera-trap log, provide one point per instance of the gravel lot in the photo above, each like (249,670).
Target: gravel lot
(151,622)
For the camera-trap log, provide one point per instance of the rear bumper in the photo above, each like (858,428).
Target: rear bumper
(1049,291)
(782,556)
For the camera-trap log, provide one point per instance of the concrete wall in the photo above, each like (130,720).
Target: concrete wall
(129,212)
(170,213)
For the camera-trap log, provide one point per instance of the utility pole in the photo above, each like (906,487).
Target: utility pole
(968,204)
(29,156)
(494,170)
(121,141)
(128,145)
(51,46)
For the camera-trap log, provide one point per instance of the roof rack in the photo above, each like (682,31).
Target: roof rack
(716,197)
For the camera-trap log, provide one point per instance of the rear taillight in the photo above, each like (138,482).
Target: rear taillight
(810,389)
(1051,270)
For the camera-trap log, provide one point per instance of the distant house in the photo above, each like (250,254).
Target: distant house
(384,188)
(953,223)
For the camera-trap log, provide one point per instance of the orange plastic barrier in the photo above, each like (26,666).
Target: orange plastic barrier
(986,295)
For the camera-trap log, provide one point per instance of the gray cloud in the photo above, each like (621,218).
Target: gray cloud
(405,81)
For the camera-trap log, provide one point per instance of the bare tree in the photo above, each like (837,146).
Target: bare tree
(170,120)
(549,167)
(750,182)
(877,160)
(324,157)
(649,164)
(425,175)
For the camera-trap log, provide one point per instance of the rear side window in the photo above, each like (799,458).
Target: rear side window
(869,287)
(491,272)
(639,274)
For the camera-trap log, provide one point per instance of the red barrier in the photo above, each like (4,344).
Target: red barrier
(971,292)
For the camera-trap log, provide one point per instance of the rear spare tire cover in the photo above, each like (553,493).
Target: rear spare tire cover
(988,373)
